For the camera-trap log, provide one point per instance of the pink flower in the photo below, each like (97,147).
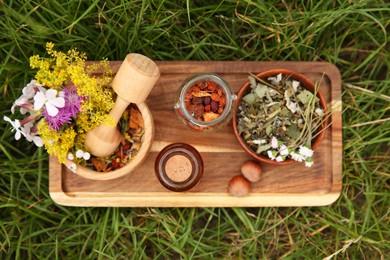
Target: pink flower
(72,101)
(56,122)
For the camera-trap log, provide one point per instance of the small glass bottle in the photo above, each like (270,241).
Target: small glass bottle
(179,167)
(204,102)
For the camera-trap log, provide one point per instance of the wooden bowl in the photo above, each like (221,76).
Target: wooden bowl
(306,83)
(147,140)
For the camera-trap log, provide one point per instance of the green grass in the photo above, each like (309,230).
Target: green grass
(353,35)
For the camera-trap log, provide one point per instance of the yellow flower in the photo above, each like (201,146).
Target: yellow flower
(49,47)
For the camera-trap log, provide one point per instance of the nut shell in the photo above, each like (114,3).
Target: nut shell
(251,170)
(239,186)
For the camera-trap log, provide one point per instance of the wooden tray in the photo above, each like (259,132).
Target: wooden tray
(289,185)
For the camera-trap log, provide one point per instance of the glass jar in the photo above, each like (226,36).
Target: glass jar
(204,102)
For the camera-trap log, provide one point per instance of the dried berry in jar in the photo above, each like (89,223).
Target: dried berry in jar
(205,100)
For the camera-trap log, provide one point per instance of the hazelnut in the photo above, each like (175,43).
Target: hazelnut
(251,171)
(239,186)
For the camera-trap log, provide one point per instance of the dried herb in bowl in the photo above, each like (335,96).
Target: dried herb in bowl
(278,117)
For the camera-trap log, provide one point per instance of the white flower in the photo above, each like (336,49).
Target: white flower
(15,127)
(279,159)
(297,157)
(275,80)
(30,135)
(319,111)
(30,89)
(73,167)
(28,93)
(283,150)
(274,142)
(70,157)
(272,154)
(86,156)
(306,152)
(36,139)
(309,163)
(50,100)
(79,153)
(20,102)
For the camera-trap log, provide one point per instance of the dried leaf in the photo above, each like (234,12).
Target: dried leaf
(261,90)
(262,148)
(100,165)
(273,114)
(293,132)
(136,120)
(252,81)
(276,80)
(250,98)
(305,96)
(201,93)
(268,130)
(210,116)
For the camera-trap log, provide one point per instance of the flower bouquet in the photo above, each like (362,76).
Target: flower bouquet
(65,101)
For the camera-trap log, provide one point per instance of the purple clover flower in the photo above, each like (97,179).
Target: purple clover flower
(56,122)
(72,100)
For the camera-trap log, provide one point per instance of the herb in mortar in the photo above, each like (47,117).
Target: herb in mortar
(278,118)
(132,128)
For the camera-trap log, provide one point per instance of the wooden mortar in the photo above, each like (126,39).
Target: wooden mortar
(147,139)
(133,82)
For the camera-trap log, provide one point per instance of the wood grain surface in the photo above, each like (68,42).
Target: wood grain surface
(287,185)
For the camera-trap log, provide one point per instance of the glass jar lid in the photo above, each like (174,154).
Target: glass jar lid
(179,167)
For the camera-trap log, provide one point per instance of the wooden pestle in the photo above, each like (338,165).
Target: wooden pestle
(133,82)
